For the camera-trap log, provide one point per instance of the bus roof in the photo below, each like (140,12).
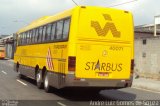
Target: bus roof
(48,19)
(45,20)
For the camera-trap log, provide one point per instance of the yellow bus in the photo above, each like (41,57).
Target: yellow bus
(84,47)
(2,50)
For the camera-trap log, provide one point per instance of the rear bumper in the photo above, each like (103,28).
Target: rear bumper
(61,81)
(72,82)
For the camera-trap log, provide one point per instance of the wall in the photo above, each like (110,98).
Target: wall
(147,57)
(9,50)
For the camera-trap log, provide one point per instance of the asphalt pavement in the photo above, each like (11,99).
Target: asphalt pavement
(24,92)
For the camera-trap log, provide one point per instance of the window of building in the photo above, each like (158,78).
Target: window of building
(66,28)
(59,29)
(144,41)
(143,54)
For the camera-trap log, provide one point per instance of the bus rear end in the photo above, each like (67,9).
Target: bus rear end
(103,49)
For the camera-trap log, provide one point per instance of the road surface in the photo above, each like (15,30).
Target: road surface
(25,92)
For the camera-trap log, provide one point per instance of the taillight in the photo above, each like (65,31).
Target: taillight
(126,11)
(132,65)
(71,63)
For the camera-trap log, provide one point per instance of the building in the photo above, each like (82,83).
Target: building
(147,51)
(9,46)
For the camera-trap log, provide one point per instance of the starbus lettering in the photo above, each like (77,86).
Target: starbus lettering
(103,66)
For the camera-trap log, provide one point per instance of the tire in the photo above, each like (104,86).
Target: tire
(47,87)
(39,79)
(19,73)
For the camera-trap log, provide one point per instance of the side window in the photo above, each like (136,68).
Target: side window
(27,36)
(22,38)
(48,35)
(66,28)
(30,36)
(19,39)
(53,31)
(40,34)
(36,35)
(59,29)
(44,33)
(33,34)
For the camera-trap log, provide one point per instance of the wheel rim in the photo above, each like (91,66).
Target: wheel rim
(19,72)
(46,82)
(38,77)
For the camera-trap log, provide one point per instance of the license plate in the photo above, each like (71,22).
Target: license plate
(103,74)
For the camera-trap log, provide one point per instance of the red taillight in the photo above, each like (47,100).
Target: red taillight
(126,11)
(71,63)
(132,65)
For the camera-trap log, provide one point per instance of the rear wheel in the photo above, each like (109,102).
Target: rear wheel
(47,87)
(39,79)
(19,73)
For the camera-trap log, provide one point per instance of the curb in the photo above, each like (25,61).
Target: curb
(146,88)
(11,60)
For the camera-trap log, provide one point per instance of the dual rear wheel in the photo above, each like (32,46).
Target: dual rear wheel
(43,81)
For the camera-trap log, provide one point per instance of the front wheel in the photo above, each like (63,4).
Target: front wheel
(39,79)
(19,73)
(47,87)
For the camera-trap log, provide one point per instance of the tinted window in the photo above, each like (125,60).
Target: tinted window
(44,33)
(27,37)
(30,36)
(66,28)
(33,34)
(19,40)
(59,29)
(48,35)
(36,36)
(30,39)
(40,34)
(53,31)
